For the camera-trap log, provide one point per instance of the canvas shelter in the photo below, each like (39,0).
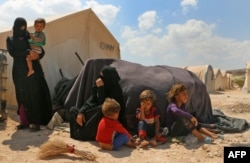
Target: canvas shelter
(206,74)
(226,80)
(136,78)
(218,81)
(246,86)
(80,32)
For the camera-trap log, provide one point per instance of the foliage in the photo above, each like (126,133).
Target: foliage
(239,80)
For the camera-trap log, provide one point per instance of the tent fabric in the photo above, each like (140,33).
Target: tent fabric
(229,124)
(205,74)
(218,79)
(136,78)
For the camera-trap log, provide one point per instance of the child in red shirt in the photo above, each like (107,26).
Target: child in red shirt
(111,135)
(149,120)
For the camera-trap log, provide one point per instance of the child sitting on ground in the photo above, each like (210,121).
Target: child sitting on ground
(111,135)
(180,122)
(149,120)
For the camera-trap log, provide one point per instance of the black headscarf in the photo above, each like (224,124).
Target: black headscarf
(17,27)
(109,76)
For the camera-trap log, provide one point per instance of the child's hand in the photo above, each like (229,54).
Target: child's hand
(194,121)
(32,36)
(142,106)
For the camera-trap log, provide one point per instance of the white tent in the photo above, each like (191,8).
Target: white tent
(246,86)
(80,32)
(205,74)
(226,80)
(218,80)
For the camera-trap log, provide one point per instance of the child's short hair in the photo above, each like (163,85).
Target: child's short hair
(147,95)
(110,106)
(40,20)
(175,90)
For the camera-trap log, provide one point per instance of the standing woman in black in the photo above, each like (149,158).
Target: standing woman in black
(32,93)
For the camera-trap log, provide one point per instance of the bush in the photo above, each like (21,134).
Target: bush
(239,80)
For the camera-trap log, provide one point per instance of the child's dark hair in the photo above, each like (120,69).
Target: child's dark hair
(110,106)
(175,90)
(147,95)
(40,20)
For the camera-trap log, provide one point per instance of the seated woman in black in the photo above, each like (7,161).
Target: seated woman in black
(84,120)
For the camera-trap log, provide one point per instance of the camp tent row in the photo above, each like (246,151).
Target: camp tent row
(84,33)
(213,78)
(80,32)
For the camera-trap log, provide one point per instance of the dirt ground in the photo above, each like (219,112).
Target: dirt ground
(23,146)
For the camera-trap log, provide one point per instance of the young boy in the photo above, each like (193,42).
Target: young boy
(111,135)
(37,40)
(149,120)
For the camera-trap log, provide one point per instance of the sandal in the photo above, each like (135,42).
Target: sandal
(161,139)
(34,128)
(22,127)
(220,137)
(208,140)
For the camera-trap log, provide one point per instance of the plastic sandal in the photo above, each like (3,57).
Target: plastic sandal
(161,139)
(220,137)
(34,128)
(22,127)
(208,140)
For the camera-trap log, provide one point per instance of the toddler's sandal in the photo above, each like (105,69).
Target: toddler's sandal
(221,137)
(208,140)
(161,139)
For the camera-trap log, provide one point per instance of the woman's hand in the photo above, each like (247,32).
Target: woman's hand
(80,119)
(99,82)
(32,56)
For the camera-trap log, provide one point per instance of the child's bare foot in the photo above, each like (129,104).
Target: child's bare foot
(30,73)
(153,142)
(144,143)
(131,144)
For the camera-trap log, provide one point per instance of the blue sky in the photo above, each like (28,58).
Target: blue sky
(159,32)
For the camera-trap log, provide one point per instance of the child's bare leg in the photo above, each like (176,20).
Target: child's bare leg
(106,146)
(131,144)
(153,142)
(208,133)
(198,135)
(201,137)
(30,68)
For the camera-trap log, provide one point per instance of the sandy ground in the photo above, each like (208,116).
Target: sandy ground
(23,146)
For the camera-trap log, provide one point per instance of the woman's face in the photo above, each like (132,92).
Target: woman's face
(182,97)
(22,28)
